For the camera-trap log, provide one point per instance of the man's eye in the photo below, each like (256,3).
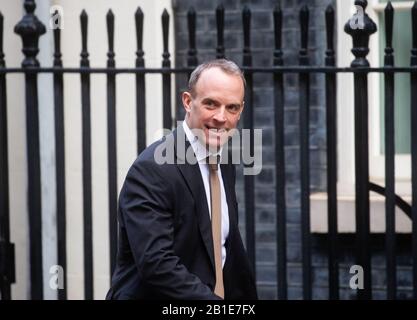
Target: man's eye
(234,108)
(210,103)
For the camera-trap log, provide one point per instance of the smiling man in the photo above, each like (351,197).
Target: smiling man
(178,222)
(214,102)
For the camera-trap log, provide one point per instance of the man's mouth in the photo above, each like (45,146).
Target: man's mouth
(216,130)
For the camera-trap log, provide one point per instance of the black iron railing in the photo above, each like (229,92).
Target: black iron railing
(30,29)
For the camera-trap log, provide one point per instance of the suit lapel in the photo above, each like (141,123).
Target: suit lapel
(192,176)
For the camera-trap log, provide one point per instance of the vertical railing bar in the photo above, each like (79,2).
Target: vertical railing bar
(248,119)
(111,140)
(166,78)
(414,147)
(390,158)
(331,138)
(304,85)
(7,263)
(86,155)
(280,161)
(220,51)
(360,36)
(192,60)
(140,84)
(60,159)
(30,29)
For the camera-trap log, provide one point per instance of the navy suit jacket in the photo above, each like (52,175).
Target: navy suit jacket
(165,247)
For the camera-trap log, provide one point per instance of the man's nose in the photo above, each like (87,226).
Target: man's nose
(220,115)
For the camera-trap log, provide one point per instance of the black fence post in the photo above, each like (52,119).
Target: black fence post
(7,262)
(166,77)
(60,159)
(304,85)
(331,138)
(30,29)
(281,220)
(248,121)
(414,147)
(360,27)
(86,151)
(390,240)
(111,140)
(140,84)
(192,60)
(220,52)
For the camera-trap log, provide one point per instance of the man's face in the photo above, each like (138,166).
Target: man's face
(215,107)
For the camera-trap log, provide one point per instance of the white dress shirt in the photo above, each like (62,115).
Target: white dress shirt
(201,154)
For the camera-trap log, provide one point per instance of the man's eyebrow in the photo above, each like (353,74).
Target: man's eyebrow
(210,99)
(214,100)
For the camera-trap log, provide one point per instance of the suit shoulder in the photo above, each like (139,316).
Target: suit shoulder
(151,152)
(150,158)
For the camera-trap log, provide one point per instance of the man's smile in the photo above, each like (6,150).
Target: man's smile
(216,130)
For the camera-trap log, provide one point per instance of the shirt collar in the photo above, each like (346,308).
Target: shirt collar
(199,149)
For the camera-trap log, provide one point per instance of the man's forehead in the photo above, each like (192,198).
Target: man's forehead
(216,72)
(218,80)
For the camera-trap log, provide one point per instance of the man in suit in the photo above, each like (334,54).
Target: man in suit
(178,219)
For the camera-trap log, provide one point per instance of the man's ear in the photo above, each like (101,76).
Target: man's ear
(186,101)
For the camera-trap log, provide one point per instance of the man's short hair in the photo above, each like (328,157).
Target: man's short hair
(225,65)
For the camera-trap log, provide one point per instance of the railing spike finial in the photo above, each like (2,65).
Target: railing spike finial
(278,6)
(139,36)
(57,45)
(30,28)
(389,23)
(246,18)
(166,78)
(110,34)
(2,62)
(360,27)
(330,54)
(192,51)
(304,21)
(362,3)
(110,28)
(84,25)
(220,31)
(84,15)
(278,35)
(165,33)
(30,6)
(57,38)
(414,27)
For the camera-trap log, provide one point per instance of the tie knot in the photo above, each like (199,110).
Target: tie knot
(213,161)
